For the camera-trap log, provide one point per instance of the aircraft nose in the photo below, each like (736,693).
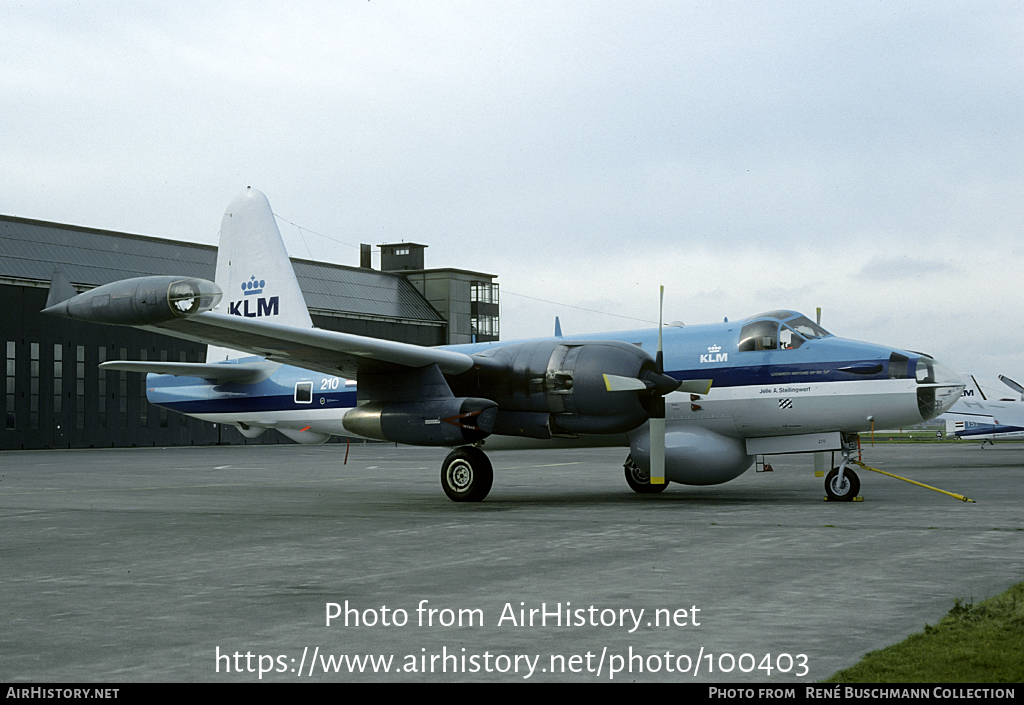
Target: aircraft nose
(938,389)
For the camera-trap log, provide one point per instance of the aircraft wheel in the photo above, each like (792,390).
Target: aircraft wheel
(466,475)
(639,480)
(843,491)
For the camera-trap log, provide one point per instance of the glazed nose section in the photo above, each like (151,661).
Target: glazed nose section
(938,387)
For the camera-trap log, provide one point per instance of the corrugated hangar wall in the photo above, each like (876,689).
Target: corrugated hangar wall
(55,395)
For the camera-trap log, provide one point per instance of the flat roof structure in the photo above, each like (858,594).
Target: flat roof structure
(30,249)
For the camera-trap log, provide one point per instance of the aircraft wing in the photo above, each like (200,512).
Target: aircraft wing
(314,349)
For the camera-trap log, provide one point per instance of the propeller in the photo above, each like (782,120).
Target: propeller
(659,385)
(655,382)
(657,422)
(1012,385)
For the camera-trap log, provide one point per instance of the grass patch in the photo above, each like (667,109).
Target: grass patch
(982,643)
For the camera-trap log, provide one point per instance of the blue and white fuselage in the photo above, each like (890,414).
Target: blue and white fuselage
(697,414)
(772,375)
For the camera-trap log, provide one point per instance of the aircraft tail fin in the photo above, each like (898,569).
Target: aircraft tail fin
(60,289)
(253,269)
(974,388)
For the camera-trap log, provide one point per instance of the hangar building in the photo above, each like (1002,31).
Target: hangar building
(55,395)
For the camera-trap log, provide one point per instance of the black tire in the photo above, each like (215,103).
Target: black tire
(639,480)
(466,475)
(844,492)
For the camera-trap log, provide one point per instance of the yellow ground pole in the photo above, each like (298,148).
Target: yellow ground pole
(919,484)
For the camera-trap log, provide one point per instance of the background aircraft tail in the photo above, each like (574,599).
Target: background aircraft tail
(253,269)
(972,390)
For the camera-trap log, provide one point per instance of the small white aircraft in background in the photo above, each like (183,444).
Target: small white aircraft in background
(693,404)
(976,416)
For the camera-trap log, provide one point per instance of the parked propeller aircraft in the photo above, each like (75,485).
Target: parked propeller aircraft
(976,416)
(694,409)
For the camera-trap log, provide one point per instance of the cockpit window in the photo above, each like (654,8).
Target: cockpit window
(788,339)
(780,315)
(807,328)
(925,370)
(761,334)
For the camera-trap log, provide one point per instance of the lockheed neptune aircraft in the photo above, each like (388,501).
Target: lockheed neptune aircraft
(694,409)
(978,417)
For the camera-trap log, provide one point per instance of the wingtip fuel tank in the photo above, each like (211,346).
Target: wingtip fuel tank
(139,301)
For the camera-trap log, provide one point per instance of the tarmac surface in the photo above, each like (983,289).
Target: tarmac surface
(211,564)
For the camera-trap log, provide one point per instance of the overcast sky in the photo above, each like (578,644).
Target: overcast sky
(865,157)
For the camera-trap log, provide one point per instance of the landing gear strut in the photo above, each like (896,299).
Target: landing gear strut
(466,475)
(639,480)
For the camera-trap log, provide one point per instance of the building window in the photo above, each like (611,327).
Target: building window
(484,325)
(143,402)
(33,391)
(80,387)
(101,388)
(12,423)
(484,292)
(122,388)
(58,378)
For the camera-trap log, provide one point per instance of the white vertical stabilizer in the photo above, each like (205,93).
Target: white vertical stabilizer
(253,269)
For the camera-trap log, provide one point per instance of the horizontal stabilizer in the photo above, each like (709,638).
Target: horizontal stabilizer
(243,372)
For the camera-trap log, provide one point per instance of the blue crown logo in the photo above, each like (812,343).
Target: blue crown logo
(253,286)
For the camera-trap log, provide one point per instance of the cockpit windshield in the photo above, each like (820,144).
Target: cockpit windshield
(778,330)
(807,328)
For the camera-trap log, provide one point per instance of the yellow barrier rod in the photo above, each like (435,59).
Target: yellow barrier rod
(919,484)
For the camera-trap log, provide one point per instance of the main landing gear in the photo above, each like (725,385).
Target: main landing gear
(639,480)
(467,475)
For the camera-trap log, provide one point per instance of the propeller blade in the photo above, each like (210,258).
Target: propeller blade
(617,383)
(660,359)
(695,386)
(656,427)
(657,431)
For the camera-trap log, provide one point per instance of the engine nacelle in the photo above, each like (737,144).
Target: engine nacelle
(438,422)
(694,457)
(565,380)
(141,301)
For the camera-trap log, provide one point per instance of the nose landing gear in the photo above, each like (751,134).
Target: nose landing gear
(842,483)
